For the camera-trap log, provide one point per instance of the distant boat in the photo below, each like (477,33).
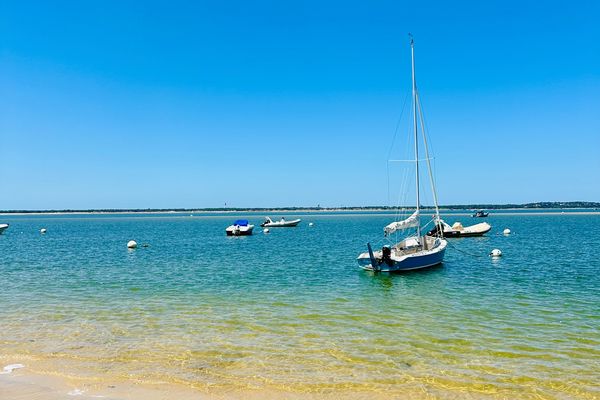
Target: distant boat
(480,214)
(415,251)
(457,230)
(282,223)
(3,227)
(240,227)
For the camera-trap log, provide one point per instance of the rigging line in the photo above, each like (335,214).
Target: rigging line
(392,147)
(426,130)
(402,195)
(431,180)
(462,251)
(397,126)
(405,190)
(387,167)
(421,159)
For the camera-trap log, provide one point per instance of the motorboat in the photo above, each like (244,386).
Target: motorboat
(282,223)
(480,214)
(240,227)
(458,230)
(415,251)
(3,227)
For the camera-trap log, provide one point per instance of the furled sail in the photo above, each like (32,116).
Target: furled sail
(409,222)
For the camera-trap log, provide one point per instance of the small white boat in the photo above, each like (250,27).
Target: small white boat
(240,227)
(3,227)
(282,223)
(457,230)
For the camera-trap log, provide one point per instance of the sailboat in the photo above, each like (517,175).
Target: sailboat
(415,251)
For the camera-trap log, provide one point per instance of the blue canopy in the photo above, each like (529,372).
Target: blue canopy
(241,222)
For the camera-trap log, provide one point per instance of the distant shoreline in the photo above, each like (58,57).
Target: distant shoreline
(496,207)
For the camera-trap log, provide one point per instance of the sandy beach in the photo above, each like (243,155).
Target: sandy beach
(23,384)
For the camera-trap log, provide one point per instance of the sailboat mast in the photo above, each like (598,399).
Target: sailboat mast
(414,95)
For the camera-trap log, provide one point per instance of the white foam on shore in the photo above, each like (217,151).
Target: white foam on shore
(76,392)
(11,367)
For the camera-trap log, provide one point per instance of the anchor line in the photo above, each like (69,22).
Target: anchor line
(465,252)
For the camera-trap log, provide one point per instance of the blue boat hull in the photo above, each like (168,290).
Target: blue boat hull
(408,263)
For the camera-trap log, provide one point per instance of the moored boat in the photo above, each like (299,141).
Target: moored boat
(3,227)
(282,223)
(415,251)
(458,230)
(480,214)
(410,254)
(240,227)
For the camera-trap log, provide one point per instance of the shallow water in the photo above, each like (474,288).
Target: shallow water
(291,311)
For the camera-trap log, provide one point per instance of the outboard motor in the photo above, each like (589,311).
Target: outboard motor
(386,255)
(438,231)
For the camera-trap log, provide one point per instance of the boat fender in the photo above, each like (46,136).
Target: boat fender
(386,255)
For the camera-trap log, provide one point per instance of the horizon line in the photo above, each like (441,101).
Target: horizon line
(541,204)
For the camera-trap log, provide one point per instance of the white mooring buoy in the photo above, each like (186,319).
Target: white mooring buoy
(43,230)
(506,231)
(496,253)
(132,244)
(310,224)
(266,230)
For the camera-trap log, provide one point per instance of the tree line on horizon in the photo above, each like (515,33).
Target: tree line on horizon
(540,205)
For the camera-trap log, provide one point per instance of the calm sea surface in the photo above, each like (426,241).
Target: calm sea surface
(290,310)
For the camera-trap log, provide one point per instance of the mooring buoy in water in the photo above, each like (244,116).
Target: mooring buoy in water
(496,253)
(43,230)
(132,244)
(506,231)
(310,224)
(266,230)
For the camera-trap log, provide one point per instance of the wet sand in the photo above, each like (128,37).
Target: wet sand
(25,385)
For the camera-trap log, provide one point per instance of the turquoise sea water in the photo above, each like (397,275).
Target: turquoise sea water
(290,310)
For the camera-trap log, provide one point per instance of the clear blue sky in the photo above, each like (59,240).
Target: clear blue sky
(177,104)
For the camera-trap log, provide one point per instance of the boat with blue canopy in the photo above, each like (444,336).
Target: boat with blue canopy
(240,227)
